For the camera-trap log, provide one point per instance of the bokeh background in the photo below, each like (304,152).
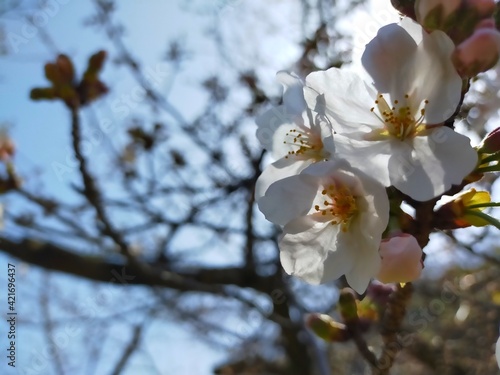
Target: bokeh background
(172,153)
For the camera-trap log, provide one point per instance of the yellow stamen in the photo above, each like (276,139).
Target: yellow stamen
(308,143)
(340,205)
(398,120)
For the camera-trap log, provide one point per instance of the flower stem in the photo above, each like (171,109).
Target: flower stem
(490,168)
(485,217)
(484,205)
(490,158)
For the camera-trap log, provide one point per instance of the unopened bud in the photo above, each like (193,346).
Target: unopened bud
(348,307)
(435,14)
(484,8)
(379,293)
(478,53)
(459,210)
(458,18)
(7,146)
(368,313)
(491,143)
(66,69)
(95,65)
(405,7)
(327,328)
(43,93)
(401,259)
(53,74)
(487,23)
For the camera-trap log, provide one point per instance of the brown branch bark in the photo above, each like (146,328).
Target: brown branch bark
(98,268)
(91,191)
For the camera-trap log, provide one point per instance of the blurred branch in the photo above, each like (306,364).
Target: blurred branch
(250,238)
(470,249)
(48,326)
(393,319)
(132,346)
(91,192)
(57,258)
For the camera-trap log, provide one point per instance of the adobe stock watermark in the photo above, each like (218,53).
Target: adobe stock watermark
(277,116)
(30,26)
(419,320)
(367,31)
(41,358)
(252,319)
(120,108)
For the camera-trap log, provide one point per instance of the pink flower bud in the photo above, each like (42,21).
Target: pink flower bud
(485,8)
(487,23)
(478,53)
(379,293)
(401,259)
(432,14)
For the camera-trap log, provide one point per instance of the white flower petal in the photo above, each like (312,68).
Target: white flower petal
(403,59)
(367,265)
(325,169)
(414,29)
(338,262)
(305,245)
(432,77)
(288,198)
(343,97)
(371,157)
(440,160)
(375,206)
(293,96)
(372,195)
(270,121)
(497,352)
(282,143)
(318,250)
(386,54)
(278,170)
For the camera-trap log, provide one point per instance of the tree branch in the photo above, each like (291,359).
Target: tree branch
(56,258)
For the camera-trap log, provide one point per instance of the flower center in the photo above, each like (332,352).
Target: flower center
(339,205)
(399,121)
(308,144)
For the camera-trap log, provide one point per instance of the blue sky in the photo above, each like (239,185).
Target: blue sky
(41,129)
(41,132)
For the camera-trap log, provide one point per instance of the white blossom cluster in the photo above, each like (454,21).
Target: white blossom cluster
(339,141)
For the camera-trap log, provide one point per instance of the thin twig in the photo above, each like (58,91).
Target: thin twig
(91,192)
(393,320)
(48,326)
(132,346)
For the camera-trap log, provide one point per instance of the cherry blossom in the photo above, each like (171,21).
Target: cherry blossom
(294,134)
(478,53)
(333,217)
(392,130)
